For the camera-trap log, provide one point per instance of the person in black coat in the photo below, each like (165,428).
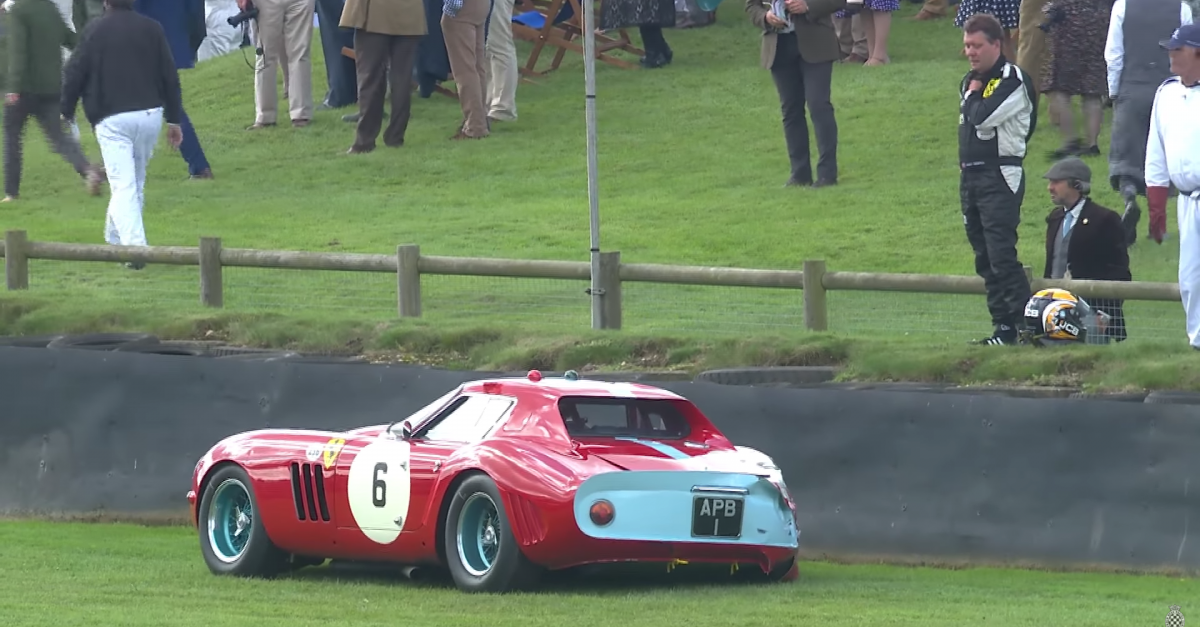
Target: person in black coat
(1085,240)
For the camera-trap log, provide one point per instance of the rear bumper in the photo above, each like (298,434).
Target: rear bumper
(688,508)
(591,551)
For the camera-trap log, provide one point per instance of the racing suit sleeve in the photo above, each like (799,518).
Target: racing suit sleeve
(1007,99)
(1158,179)
(1114,48)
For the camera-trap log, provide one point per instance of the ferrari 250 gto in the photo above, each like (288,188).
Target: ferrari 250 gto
(497,482)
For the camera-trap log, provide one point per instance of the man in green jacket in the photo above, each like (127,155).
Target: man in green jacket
(84,11)
(36,33)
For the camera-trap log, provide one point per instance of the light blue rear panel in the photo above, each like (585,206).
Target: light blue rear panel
(659,506)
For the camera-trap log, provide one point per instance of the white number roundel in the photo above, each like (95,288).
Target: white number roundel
(378,489)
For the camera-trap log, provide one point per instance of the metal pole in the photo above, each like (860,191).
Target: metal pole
(589,77)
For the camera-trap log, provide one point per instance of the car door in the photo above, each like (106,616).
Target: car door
(469,419)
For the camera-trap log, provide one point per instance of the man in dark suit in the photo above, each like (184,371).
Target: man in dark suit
(340,72)
(1085,240)
(799,46)
(184,25)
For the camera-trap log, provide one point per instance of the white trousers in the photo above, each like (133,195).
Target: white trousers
(1188,214)
(502,63)
(127,142)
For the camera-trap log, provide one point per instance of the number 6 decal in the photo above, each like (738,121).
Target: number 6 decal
(378,486)
(378,489)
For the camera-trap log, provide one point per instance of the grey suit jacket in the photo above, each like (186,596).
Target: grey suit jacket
(815,36)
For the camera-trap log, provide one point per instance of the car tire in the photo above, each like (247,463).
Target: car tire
(476,517)
(228,491)
(321,359)
(775,376)
(1172,397)
(102,341)
(28,341)
(160,349)
(256,356)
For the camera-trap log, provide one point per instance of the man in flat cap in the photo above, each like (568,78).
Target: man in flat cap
(1085,240)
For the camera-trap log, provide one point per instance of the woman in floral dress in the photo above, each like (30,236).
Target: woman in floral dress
(1075,66)
(876,18)
(1007,11)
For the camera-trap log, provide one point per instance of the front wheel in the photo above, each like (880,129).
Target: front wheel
(481,552)
(232,537)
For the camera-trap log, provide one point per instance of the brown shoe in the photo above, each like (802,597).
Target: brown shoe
(206,173)
(92,180)
(925,15)
(854,58)
(299,123)
(463,135)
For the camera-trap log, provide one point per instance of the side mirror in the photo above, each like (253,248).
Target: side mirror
(405,431)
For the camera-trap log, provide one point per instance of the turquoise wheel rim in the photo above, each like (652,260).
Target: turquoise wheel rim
(478,534)
(230,518)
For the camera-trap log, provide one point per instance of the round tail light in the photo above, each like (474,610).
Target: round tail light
(602,513)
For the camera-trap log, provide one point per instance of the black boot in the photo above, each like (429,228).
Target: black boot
(1129,221)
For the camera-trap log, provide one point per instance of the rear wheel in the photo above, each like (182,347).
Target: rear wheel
(232,537)
(481,552)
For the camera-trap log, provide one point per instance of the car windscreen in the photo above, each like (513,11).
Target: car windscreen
(622,417)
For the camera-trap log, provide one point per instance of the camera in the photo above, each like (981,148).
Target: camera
(249,13)
(1054,15)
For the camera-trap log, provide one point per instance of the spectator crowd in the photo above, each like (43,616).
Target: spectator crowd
(1141,58)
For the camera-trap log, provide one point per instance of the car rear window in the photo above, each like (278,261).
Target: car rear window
(623,417)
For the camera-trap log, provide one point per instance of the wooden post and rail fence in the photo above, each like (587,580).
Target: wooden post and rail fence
(409,265)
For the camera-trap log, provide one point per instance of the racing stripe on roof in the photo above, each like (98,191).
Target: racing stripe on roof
(669,451)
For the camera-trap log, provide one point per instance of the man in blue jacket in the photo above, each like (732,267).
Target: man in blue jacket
(184,24)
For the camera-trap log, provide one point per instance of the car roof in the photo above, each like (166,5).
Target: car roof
(558,387)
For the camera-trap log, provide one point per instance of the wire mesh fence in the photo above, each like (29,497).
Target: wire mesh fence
(558,305)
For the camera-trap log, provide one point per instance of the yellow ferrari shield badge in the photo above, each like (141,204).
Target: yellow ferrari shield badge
(333,448)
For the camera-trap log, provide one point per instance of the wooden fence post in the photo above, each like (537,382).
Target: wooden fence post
(212,281)
(816,310)
(408,280)
(610,282)
(16,264)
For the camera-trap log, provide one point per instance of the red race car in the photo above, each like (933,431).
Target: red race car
(497,482)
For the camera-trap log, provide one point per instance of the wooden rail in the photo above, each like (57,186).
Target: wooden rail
(409,265)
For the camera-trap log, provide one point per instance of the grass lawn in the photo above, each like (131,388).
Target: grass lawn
(96,574)
(691,167)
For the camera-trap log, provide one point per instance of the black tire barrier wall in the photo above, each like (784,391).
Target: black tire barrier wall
(890,474)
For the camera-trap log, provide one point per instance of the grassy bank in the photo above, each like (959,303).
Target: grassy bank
(512,347)
(691,166)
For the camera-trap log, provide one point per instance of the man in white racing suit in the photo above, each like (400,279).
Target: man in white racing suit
(1173,159)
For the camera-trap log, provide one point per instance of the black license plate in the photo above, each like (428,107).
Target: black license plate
(717,517)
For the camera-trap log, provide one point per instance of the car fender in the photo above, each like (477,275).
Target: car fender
(536,485)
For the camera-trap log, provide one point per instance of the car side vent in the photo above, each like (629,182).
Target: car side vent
(308,492)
